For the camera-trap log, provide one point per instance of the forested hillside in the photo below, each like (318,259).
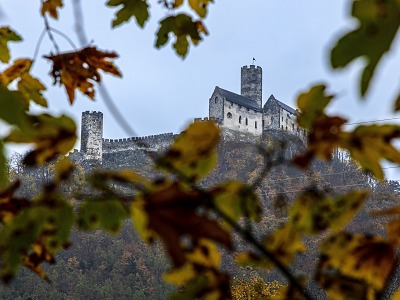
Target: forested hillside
(99,265)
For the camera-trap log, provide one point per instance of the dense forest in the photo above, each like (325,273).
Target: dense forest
(99,265)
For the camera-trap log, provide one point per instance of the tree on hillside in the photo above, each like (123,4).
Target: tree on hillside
(192,221)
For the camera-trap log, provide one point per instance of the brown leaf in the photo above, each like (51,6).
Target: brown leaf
(172,212)
(80,69)
(50,7)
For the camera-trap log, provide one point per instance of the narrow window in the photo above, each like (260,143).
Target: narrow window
(282,126)
(216,99)
(240,119)
(255,124)
(293,127)
(247,123)
(263,123)
(229,115)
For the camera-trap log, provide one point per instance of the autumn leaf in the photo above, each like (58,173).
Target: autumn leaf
(107,213)
(381,137)
(3,166)
(7,35)
(184,28)
(16,70)
(131,8)
(50,7)
(314,212)
(10,205)
(170,212)
(200,6)
(284,243)
(367,258)
(52,136)
(32,89)
(312,105)
(193,153)
(13,109)
(378,23)
(80,69)
(235,199)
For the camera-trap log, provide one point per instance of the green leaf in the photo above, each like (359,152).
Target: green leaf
(193,153)
(46,226)
(235,199)
(7,35)
(52,136)
(131,8)
(12,109)
(3,165)
(31,88)
(312,104)
(105,213)
(184,28)
(378,24)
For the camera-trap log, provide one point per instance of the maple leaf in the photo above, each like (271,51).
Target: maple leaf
(79,70)
(7,35)
(171,212)
(200,6)
(378,24)
(370,259)
(52,136)
(131,8)
(184,29)
(50,7)
(193,153)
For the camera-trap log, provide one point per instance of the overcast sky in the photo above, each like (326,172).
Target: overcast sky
(160,92)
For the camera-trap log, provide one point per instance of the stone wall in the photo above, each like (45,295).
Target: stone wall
(91,135)
(242,119)
(151,142)
(216,106)
(251,83)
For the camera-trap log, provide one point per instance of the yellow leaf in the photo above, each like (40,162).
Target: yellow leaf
(206,254)
(7,35)
(285,243)
(18,69)
(235,199)
(396,295)
(32,88)
(367,258)
(193,153)
(181,275)
(200,6)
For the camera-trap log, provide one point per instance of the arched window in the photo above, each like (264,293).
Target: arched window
(216,99)
(240,119)
(229,115)
(247,122)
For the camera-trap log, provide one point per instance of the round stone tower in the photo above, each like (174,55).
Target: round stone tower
(251,83)
(92,136)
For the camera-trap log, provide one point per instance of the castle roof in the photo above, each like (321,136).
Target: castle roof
(240,100)
(281,105)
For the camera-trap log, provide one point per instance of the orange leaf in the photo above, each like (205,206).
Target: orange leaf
(80,69)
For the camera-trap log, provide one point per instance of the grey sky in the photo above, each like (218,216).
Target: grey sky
(162,93)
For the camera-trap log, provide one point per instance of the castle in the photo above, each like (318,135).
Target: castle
(239,117)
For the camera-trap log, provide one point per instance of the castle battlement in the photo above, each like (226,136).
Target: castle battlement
(150,142)
(252,67)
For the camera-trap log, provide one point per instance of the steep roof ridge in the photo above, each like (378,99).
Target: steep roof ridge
(240,100)
(283,105)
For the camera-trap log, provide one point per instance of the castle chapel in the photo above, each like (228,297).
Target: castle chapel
(245,113)
(240,117)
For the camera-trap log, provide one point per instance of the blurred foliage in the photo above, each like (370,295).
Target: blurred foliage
(196,223)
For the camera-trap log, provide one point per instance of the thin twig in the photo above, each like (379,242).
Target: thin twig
(49,33)
(65,37)
(38,44)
